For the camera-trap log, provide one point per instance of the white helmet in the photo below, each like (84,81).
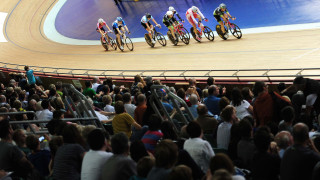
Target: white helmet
(171,8)
(100,20)
(194,9)
(169,13)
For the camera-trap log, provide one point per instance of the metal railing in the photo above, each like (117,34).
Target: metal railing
(231,75)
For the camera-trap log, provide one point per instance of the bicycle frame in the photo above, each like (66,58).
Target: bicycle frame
(178,28)
(228,24)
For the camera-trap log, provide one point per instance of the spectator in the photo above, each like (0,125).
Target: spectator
(97,156)
(127,104)
(181,172)
(199,149)
(153,135)
(182,94)
(39,158)
(11,158)
(210,82)
(222,161)
(168,130)
(141,108)
(221,174)
(193,83)
(144,166)
(30,76)
(166,155)
(59,88)
(242,106)
(88,91)
(46,113)
(194,105)
(224,102)
(96,83)
(299,160)
(122,121)
(19,137)
(108,100)
(54,144)
(228,115)
(283,139)
(207,122)
(212,101)
(68,159)
(119,166)
(288,117)
(245,147)
(138,150)
(32,106)
(247,94)
(265,165)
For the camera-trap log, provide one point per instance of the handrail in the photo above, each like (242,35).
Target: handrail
(270,74)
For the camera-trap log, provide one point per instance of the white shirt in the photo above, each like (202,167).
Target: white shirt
(200,151)
(45,115)
(223,135)
(95,86)
(242,109)
(108,108)
(130,109)
(92,164)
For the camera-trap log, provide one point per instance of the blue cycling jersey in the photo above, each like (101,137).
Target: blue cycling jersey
(144,19)
(116,24)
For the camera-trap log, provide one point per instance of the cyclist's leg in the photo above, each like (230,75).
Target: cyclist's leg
(171,28)
(150,30)
(218,18)
(190,20)
(201,25)
(102,31)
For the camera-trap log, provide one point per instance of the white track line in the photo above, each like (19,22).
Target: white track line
(52,34)
(307,53)
(3,16)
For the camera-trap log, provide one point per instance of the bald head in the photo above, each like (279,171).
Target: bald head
(193,99)
(300,133)
(284,139)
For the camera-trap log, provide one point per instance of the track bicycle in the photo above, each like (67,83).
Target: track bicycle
(228,26)
(181,33)
(125,40)
(108,41)
(156,36)
(208,33)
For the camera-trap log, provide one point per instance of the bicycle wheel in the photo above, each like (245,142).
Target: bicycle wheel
(235,31)
(129,43)
(148,40)
(161,39)
(113,43)
(119,45)
(194,35)
(186,32)
(218,29)
(184,37)
(105,45)
(208,33)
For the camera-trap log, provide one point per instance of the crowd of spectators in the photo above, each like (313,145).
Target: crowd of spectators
(257,134)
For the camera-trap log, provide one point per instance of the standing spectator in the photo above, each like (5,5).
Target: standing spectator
(283,139)
(166,155)
(122,121)
(210,82)
(127,104)
(247,94)
(199,149)
(119,166)
(30,76)
(97,156)
(299,160)
(182,94)
(212,101)
(207,122)
(96,83)
(288,116)
(193,83)
(242,106)
(228,115)
(46,113)
(88,91)
(141,108)
(153,135)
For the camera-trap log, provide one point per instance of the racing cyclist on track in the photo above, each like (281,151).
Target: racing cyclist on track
(191,15)
(169,21)
(222,12)
(175,12)
(147,25)
(101,30)
(118,26)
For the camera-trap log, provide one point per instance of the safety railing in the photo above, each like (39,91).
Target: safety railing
(225,75)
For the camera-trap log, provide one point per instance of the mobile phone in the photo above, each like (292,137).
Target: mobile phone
(41,138)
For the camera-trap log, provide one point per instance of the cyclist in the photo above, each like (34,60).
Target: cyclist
(100,28)
(222,12)
(118,26)
(169,21)
(147,25)
(192,14)
(175,12)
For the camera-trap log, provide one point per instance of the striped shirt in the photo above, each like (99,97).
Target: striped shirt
(122,123)
(150,140)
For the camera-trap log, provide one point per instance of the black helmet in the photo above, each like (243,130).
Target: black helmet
(148,15)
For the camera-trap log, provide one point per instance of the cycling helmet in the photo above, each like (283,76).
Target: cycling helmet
(169,13)
(100,20)
(171,8)
(119,19)
(194,9)
(148,15)
(222,6)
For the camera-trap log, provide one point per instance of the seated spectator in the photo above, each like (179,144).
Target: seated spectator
(206,121)
(182,94)
(11,157)
(54,144)
(127,104)
(194,105)
(246,147)
(153,135)
(166,155)
(222,161)
(212,101)
(96,83)
(32,106)
(122,121)
(141,108)
(144,166)
(138,150)
(46,113)
(199,149)
(299,160)
(242,106)
(221,174)
(107,100)
(88,91)
(119,166)
(39,158)
(68,159)
(228,116)
(283,139)
(181,172)
(19,137)
(288,116)
(265,165)
(97,156)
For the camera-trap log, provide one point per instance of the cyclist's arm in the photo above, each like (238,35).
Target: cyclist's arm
(155,21)
(179,17)
(119,31)
(202,16)
(126,28)
(108,27)
(229,14)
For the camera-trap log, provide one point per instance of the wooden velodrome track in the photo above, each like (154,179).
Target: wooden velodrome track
(27,44)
